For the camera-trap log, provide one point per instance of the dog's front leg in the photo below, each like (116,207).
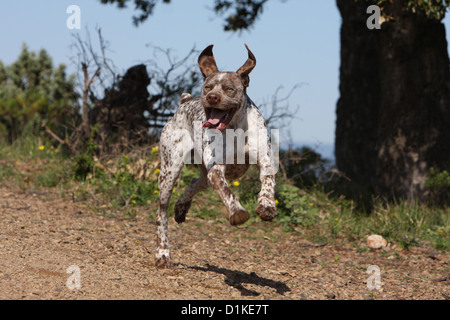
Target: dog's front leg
(236,212)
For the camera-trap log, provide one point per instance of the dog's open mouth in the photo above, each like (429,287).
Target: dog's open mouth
(218,119)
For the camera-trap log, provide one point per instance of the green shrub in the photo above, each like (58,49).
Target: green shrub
(83,165)
(439,185)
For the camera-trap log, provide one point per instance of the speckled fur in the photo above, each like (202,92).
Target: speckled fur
(178,138)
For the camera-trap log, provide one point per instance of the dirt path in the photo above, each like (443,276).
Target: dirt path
(41,235)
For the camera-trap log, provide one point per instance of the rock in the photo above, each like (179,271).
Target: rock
(376,241)
(330,296)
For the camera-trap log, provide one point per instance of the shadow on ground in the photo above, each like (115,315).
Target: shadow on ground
(236,279)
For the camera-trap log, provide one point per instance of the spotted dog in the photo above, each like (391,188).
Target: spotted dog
(223,107)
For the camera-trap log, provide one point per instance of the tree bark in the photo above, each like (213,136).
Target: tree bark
(393,115)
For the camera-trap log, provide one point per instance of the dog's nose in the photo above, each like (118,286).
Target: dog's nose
(213,98)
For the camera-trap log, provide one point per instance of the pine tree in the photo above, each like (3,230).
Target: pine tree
(32,92)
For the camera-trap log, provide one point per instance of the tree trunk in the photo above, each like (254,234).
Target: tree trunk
(357,107)
(393,116)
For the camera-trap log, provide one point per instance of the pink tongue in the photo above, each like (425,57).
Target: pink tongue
(213,121)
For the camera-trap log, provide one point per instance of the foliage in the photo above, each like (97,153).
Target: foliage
(241,15)
(439,185)
(304,166)
(115,183)
(296,209)
(433,9)
(146,8)
(84,163)
(33,92)
(437,182)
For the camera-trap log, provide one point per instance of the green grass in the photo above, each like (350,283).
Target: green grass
(116,186)
(33,163)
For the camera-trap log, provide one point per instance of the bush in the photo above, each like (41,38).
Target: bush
(439,185)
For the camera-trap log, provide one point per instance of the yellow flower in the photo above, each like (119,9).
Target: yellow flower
(310,204)
(154,150)
(236,183)
(156,191)
(41,147)
(276,202)
(133,201)
(157,171)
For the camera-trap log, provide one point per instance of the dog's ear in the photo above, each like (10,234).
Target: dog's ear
(206,62)
(248,66)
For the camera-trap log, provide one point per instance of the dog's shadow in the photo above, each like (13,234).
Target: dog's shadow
(236,279)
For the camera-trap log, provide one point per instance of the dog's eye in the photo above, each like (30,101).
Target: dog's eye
(230,89)
(207,87)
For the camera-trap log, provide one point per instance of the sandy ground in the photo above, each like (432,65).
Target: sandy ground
(43,235)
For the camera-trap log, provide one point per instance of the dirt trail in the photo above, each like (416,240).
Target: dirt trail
(41,235)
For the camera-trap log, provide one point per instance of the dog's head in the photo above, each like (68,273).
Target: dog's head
(223,93)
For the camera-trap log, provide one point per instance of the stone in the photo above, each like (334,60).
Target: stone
(376,241)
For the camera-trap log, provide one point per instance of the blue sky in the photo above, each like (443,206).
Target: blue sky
(295,42)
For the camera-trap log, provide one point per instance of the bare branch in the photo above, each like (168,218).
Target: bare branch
(169,83)
(278,113)
(54,136)
(87,84)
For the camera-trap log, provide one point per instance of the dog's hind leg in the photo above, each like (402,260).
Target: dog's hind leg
(170,171)
(167,181)
(184,203)
(266,207)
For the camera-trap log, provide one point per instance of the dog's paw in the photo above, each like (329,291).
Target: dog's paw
(181,209)
(163,263)
(239,217)
(162,259)
(266,210)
